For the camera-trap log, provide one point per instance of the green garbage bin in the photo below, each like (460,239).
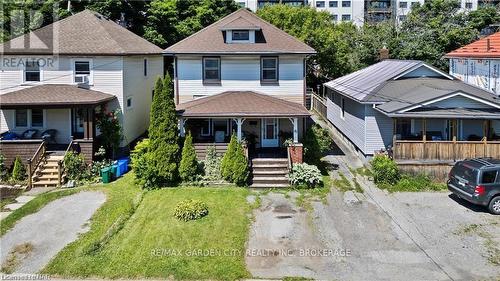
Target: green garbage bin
(106,174)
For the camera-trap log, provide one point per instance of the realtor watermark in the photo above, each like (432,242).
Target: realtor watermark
(24,277)
(266,252)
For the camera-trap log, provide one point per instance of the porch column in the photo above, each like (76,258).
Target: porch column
(295,123)
(86,123)
(239,124)
(182,130)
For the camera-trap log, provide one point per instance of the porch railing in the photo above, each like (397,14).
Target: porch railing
(318,104)
(201,149)
(445,150)
(35,161)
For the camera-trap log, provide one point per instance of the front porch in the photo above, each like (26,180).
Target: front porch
(445,140)
(263,122)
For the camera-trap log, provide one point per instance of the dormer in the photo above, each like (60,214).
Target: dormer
(239,30)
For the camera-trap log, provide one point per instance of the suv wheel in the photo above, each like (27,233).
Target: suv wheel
(494,206)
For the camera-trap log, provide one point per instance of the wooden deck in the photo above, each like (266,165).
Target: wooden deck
(444,150)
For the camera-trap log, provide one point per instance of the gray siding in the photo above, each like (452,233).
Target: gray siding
(378,130)
(353,123)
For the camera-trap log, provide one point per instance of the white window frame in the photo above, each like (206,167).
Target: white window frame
(342,107)
(23,74)
(204,134)
(29,121)
(91,68)
(276,68)
(204,69)
(240,40)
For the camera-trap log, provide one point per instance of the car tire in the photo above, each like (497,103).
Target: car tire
(494,205)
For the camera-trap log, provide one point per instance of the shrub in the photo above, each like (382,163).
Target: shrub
(4,173)
(19,171)
(317,142)
(190,210)
(212,165)
(162,158)
(139,161)
(227,161)
(111,131)
(239,167)
(385,170)
(305,175)
(414,183)
(188,167)
(75,167)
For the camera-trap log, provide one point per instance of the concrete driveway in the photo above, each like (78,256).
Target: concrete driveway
(38,237)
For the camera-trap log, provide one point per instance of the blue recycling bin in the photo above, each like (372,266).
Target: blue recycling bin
(123,165)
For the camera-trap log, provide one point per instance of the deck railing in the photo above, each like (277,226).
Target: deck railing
(444,150)
(318,104)
(35,161)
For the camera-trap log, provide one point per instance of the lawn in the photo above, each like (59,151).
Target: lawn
(134,236)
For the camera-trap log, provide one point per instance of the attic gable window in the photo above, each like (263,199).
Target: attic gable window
(241,35)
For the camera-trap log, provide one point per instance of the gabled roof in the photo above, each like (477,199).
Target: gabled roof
(419,96)
(361,85)
(241,104)
(85,33)
(240,23)
(269,38)
(487,47)
(53,95)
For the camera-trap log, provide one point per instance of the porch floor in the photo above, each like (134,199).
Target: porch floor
(273,152)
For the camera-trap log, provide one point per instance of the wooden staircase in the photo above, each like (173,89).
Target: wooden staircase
(269,172)
(48,172)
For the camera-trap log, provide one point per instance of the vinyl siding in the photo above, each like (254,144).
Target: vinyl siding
(241,74)
(140,88)
(353,123)
(378,130)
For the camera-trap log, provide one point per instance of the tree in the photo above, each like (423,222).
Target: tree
(432,30)
(227,159)
(333,43)
(163,152)
(18,172)
(170,21)
(239,167)
(189,164)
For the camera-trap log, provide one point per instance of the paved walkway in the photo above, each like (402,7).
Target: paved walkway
(38,237)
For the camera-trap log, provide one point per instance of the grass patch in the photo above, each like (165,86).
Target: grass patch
(409,183)
(364,171)
(357,186)
(153,244)
(319,193)
(342,183)
(17,254)
(33,206)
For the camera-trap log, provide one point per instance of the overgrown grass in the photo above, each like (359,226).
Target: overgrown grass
(152,243)
(342,183)
(409,183)
(33,206)
(319,193)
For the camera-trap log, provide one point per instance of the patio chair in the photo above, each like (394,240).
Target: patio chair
(29,134)
(49,135)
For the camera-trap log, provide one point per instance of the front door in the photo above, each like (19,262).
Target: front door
(77,117)
(269,132)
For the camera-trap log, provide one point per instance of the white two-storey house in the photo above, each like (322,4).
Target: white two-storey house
(54,80)
(242,75)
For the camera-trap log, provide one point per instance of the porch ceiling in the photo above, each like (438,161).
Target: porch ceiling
(53,96)
(241,104)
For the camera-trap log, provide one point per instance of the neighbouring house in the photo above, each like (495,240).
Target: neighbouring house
(427,118)
(55,79)
(242,75)
(478,63)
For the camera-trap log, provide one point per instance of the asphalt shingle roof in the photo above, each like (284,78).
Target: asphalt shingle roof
(53,95)
(85,33)
(269,38)
(241,104)
(487,47)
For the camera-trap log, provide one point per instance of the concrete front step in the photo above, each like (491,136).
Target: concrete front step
(273,172)
(270,161)
(272,165)
(272,185)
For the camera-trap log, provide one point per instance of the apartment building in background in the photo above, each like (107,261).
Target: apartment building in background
(361,11)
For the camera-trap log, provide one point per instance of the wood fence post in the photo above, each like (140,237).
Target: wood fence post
(30,176)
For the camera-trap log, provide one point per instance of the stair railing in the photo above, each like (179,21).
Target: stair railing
(35,161)
(60,163)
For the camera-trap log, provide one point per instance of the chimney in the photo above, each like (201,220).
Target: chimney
(383,54)
(488,46)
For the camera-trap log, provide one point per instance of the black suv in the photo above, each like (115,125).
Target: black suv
(477,181)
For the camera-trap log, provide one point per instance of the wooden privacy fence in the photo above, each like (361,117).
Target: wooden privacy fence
(318,104)
(445,150)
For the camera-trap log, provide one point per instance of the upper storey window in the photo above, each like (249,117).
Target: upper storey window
(82,71)
(241,35)
(211,70)
(32,71)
